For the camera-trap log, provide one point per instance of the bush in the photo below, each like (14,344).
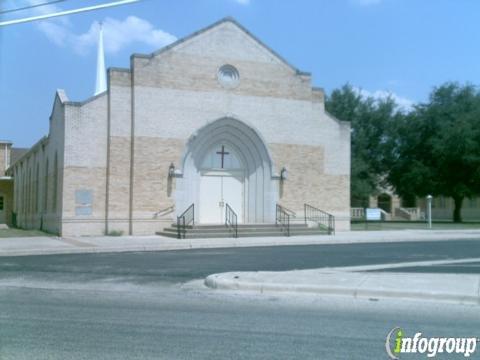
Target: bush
(115,233)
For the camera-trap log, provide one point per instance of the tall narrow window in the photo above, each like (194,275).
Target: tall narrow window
(32,189)
(15,189)
(45,192)
(25,187)
(55,183)
(37,189)
(29,191)
(1,203)
(24,190)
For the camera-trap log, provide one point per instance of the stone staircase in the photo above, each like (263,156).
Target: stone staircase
(244,230)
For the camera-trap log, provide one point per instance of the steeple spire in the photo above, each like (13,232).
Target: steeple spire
(101,84)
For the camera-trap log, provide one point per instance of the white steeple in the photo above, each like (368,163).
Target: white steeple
(101,84)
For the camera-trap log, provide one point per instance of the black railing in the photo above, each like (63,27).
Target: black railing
(322,218)
(282,218)
(231,220)
(292,213)
(184,220)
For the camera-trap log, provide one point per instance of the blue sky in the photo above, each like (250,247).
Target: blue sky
(404,47)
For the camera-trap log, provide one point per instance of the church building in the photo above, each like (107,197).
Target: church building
(213,121)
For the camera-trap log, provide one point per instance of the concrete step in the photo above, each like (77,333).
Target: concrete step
(243,230)
(223,233)
(229,235)
(218,226)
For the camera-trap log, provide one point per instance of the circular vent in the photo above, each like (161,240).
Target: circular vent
(228,76)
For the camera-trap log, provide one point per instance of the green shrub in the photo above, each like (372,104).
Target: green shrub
(115,233)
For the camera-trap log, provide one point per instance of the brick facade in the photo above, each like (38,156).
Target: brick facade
(114,150)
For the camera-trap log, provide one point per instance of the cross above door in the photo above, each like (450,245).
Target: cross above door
(222,153)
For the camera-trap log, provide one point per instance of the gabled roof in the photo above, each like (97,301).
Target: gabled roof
(17,153)
(216,24)
(63,99)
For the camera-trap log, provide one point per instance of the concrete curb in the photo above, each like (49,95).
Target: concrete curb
(231,281)
(54,246)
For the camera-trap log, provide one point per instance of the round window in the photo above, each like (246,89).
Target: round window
(228,76)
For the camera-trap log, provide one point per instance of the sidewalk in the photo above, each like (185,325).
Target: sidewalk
(76,245)
(463,289)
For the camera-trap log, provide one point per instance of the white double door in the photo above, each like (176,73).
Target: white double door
(216,191)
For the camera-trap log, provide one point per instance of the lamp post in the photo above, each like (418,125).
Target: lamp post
(171,170)
(429,210)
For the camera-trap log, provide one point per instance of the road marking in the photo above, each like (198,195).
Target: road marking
(407,264)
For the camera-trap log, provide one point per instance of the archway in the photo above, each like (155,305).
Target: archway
(226,161)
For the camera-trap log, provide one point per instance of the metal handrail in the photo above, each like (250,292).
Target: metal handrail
(283,218)
(321,217)
(164,211)
(231,220)
(187,217)
(292,213)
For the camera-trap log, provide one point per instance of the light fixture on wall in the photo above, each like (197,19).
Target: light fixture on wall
(171,170)
(283,174)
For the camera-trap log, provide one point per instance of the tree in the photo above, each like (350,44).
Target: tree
(436,149)
(370,122)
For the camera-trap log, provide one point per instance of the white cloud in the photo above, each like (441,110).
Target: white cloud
(120,34)
(117,34)
(55,29)
(366,2)
(403,103)
(55,32)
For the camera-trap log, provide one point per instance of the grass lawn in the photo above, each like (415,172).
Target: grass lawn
(393,225)
(7,233)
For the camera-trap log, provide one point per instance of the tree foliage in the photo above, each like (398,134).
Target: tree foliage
(370,122)
(436,149)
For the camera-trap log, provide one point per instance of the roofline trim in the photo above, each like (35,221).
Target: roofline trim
(42,141)
(118,69)
(205,29)
(342,122)
(90,99)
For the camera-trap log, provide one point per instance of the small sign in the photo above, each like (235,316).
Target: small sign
(373,214)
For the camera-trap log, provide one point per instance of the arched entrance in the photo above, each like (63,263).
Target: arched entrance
(227,162)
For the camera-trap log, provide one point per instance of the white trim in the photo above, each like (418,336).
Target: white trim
(226,172)
(260,191)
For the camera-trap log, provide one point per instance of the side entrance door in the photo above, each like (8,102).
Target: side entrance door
(3,211)
(216,190)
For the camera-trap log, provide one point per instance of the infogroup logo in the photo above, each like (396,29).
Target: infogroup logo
(397,343)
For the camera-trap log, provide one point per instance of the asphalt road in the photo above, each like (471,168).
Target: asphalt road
(144,306)
(124,321)
(184,265)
